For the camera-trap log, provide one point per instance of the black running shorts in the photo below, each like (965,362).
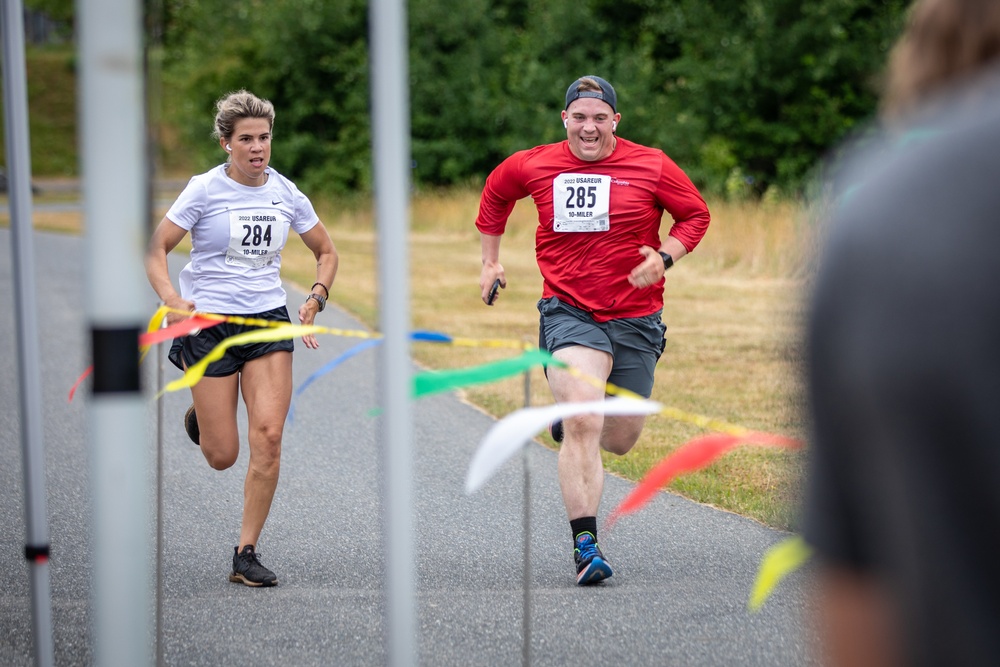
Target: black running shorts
(191,348)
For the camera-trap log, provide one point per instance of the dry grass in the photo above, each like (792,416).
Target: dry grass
(733,311)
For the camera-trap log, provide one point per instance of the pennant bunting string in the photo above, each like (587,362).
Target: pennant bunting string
(693,455)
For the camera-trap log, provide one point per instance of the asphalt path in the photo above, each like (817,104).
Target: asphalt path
(683,571)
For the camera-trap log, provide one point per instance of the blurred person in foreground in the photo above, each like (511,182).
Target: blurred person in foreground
(600,201)
(239,215)
(903,502)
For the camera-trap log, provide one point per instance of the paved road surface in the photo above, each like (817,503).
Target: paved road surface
(678,597)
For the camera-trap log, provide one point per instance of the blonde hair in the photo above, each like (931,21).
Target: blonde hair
(237,106)
(944,42)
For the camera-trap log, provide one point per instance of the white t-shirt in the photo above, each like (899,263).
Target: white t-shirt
(237,233)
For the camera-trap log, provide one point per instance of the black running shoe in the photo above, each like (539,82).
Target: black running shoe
(591,566)
(556,430)
(248,570)
(191,425)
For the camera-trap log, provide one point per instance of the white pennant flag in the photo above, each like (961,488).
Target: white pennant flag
(513,431)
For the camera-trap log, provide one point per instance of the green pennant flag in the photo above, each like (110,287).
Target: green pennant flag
(435,382)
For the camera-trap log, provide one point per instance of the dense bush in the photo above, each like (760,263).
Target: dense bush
(746,95)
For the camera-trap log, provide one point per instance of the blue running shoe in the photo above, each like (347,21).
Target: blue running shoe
(591,565)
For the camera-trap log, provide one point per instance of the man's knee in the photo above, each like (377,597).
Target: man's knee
(583,428)
(618,445)
(620,435)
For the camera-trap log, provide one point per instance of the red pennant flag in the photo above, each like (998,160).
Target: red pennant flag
(693,455)
(178,329)
(83,376)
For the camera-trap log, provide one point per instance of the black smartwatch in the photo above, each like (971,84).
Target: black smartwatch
(321,300)
(668,261)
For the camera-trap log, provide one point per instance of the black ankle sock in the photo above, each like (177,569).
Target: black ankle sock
(585,524)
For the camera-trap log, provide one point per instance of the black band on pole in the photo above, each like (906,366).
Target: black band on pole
(36,552)
(116,360)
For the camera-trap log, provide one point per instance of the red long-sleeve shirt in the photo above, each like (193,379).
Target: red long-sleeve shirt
(590,269)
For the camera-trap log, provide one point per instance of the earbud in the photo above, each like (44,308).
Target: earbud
(614,126)
(565,123)
(229,148)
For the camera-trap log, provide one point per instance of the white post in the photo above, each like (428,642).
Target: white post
(391,155)
(114,169)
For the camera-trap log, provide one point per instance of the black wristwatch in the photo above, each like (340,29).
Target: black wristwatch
(668,261)
(321,300)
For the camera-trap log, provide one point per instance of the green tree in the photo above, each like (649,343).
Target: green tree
(745,95)
(309,57)
(777,83)
(454,88)
(57,10)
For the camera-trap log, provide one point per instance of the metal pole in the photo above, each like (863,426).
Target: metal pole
(36,549)
(391,154)
(526,529)
(159,509)
(114,168)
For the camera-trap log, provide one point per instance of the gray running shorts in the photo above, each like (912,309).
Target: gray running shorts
(634,343)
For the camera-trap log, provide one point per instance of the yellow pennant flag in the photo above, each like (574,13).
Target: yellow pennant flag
(155,322)
(196,372)
(780,560)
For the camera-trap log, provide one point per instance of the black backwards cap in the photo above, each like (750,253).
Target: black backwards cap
(606,94)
